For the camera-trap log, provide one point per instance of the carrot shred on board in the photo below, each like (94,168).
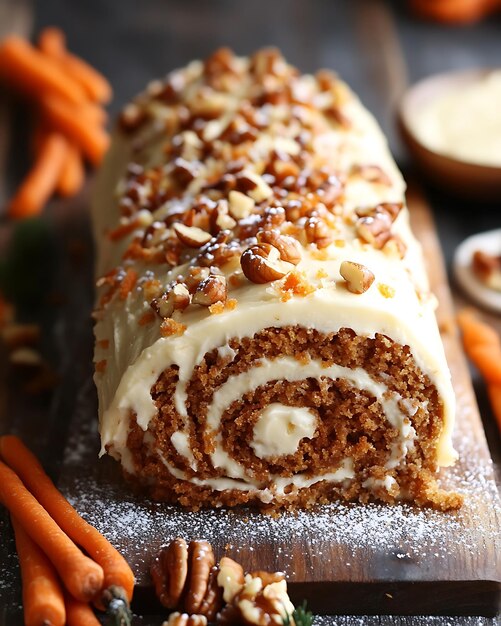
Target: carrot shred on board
(72,122)
(116,569)
(41,181)
(53,43)
(495,399)
(43,601)
(72,174)
(82,577)
(79,613)
(475,331)
(35,73)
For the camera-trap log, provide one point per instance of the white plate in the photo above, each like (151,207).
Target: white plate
(489,242)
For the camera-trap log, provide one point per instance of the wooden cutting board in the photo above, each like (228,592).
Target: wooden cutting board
(344,559)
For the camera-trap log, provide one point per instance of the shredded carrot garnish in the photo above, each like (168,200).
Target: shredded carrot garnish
(170,327)
(42,179)
(43,601)
(386,290)
(101,366)
(82,577)
(476,332)
(104,343)
(128,283)
(34,73)
(68,522)
(147,318)
(123,230)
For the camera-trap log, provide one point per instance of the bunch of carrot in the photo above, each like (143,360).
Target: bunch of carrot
(59,579)
(68,97)
(483,346)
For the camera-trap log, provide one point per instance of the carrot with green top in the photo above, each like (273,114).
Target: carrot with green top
(34,73)
(43,602)
(79,613)
(117,572)
(41,181)
(52,42)
(78,127)
(81,576)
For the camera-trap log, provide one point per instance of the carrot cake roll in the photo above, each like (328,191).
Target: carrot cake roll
(264,329)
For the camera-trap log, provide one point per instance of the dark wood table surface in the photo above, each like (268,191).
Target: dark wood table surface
(376,46)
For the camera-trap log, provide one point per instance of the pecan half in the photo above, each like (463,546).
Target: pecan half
(201,560)
(169,572)
(183,619)
(288,247)
(211,290)
(262,264)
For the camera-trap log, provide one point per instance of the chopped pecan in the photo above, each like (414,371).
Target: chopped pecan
(318,232)
(358,278)
(240,205)
(191,236)
(169,572)
(262,264)
(288,247)
(211,290)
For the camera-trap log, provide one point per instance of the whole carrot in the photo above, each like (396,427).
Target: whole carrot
(52,43)
(72,173)
(43,602)
(72,122)
(41,181)
(82,577)
(495,398)
(117,572)
(79,613)
(33,72)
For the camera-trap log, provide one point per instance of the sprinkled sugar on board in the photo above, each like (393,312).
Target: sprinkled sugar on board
(344,558)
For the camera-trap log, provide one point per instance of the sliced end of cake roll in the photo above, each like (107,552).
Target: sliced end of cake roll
(264,329)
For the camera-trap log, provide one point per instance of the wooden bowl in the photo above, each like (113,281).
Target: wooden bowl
(461,178)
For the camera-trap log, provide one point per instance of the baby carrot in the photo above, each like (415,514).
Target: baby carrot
(72,173)
(79,613)
(488,361)
(41,181)
(495,398)
(72,122)
(31,71)
(43,601)
(475,331)
(116,570)
(82,577)
(52,43)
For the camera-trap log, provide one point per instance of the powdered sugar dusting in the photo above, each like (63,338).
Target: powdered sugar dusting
(391,541)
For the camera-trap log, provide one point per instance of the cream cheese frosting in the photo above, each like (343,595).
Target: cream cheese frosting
(398,304)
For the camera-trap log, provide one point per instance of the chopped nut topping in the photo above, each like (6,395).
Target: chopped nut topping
(240,205)
(192,236)
(262,264)
(318,232)
(358,277)
(288,247)
(211,290)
